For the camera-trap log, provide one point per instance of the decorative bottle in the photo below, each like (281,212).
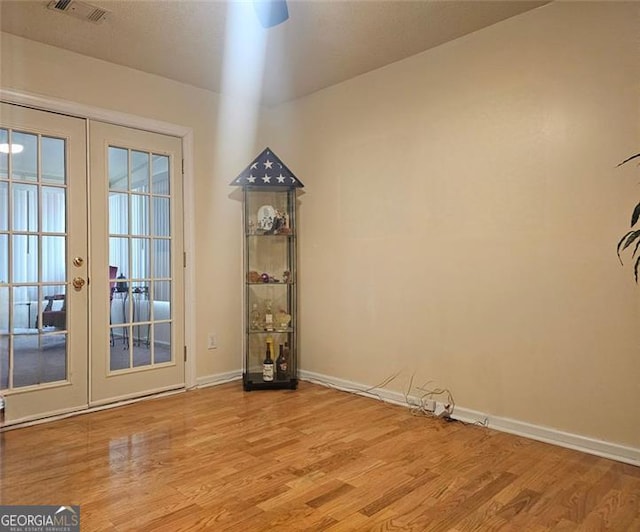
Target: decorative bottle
(270,348)
(281,365)
(267,366)
(268,317)
(285,353)
(254,318)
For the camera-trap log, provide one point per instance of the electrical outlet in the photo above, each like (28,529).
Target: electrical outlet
(212,342)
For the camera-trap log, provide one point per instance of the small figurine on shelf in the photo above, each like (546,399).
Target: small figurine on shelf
(278,223)
(283,223)
(286,276)
(282,320)
(266,216)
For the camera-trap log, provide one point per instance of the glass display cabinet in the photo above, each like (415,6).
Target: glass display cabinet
(270,274)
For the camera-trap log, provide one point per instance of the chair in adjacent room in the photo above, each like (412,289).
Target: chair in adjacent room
(54,317)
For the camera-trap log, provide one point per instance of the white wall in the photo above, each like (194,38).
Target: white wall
(460,218)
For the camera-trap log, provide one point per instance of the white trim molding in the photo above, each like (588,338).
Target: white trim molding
(219,378)
(577,442)
(63,414)
(68,107)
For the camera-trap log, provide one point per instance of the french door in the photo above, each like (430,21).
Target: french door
(137,253)
(91,272)
(43,263)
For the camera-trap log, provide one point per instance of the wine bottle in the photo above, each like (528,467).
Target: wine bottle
(285,353)
(267,366)
(270,347)
(268,317)
(281,365)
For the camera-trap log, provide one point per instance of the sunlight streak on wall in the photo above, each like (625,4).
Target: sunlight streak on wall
(244,60)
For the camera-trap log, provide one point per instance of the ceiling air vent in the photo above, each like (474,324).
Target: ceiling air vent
(80,10)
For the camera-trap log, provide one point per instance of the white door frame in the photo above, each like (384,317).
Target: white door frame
(89,112)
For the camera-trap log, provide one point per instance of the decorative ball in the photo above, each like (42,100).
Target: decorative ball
(265,277)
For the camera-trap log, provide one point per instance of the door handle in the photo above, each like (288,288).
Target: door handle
(78,283)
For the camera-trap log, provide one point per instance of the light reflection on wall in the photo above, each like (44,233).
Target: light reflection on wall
(243,67)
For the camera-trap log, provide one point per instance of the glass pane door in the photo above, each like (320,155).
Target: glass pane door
(139,258)
(42,352)
(136,193)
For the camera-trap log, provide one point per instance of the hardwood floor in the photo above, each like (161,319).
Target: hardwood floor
(313,459)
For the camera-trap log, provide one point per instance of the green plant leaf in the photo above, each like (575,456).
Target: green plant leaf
(632,235)
(635,215)
(632,238)
(626,241)
(629,159)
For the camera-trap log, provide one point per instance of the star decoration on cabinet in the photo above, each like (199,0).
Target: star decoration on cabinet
(276,173)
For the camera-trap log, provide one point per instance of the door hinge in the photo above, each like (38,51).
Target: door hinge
(182,166)
(185,353)
(184,259)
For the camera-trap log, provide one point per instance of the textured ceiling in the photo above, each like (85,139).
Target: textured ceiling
(323,43)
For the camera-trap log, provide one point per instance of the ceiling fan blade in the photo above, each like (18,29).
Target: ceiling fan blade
(271,12)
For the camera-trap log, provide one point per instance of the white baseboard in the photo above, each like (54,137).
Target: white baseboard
(218,378)
(613,451)
(63,414)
